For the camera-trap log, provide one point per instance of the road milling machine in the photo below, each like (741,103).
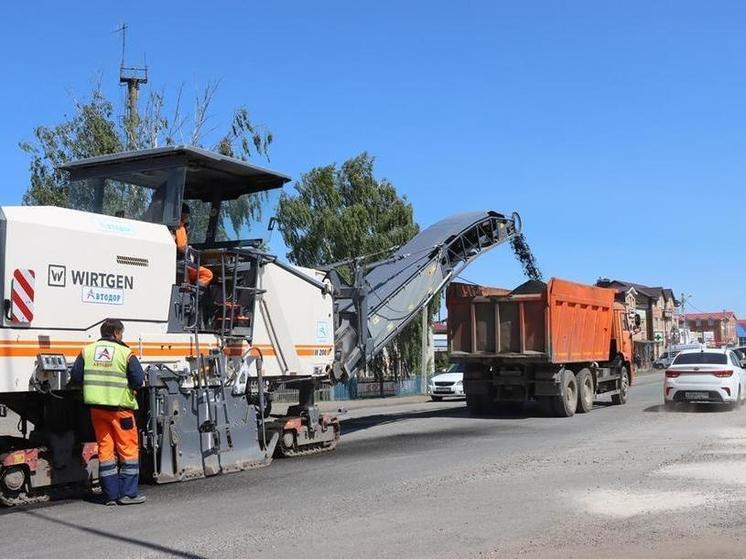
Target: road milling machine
(212,355)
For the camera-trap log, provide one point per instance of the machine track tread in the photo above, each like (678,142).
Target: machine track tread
(306,450)
(23,499)
(48,494)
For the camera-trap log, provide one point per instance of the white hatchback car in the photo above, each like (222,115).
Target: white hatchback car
(705,375)
(449,383)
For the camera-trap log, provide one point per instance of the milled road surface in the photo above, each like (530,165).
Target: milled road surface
(427,480)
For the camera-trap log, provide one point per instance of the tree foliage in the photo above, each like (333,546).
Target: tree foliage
(341,213)
(91,131)
(94,128)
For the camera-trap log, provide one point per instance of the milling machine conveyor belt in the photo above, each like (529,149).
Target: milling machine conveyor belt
(386,296)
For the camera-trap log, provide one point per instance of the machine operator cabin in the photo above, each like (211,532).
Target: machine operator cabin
(152,186)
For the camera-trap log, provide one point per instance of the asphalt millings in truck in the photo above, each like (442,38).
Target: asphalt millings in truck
(525,257)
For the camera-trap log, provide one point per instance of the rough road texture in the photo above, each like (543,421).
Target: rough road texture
(426,480)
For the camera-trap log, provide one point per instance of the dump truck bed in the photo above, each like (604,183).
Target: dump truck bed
(558,322)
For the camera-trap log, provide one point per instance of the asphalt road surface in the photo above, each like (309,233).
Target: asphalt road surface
(426,480)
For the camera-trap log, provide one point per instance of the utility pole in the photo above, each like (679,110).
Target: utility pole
(132,77)
(684,299)
(425,343)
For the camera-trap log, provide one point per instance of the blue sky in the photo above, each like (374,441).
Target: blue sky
(616,129)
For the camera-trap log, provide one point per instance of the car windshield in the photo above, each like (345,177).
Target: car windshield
(701,358)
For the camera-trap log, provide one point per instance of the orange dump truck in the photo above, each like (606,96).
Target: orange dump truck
(560,343)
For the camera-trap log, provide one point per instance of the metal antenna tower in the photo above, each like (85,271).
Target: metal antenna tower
(133,77)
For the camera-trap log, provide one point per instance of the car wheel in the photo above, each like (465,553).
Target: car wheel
(436,398)
(737,403)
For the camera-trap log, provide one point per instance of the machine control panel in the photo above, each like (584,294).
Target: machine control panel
(51,371)
(49,362)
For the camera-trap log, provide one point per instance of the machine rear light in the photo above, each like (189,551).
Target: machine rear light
(672,374)
(722,374)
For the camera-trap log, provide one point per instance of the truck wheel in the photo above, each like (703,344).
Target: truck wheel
(621,397)
(566,403)
(585,391)
(478,404)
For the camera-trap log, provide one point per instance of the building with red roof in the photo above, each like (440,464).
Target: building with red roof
(717,328)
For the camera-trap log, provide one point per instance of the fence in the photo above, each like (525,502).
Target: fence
(357,389)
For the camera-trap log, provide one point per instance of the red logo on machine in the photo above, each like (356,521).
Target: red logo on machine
(22,296)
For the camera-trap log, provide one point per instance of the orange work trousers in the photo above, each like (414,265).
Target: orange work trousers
(118,451)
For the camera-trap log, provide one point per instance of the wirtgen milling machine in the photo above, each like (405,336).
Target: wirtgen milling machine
(212,356)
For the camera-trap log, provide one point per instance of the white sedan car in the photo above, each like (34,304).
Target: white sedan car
(449,383)
(706,375)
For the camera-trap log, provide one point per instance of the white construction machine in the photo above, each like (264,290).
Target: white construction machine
(212,356)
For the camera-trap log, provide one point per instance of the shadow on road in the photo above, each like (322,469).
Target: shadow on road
(506,412)
(688,408)
(161,549)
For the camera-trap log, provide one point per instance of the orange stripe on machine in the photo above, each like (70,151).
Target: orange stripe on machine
(29,348)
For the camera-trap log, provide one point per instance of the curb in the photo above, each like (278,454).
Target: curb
(336,405)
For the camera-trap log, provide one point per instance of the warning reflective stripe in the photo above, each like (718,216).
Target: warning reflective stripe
(22,296)
(106,469)
(130,467)
(26,280)
(99,373)
(106,384)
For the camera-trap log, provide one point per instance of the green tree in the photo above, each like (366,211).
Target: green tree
(94,129)
(340,213)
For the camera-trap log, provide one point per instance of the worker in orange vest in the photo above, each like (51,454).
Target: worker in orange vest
(201,276)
